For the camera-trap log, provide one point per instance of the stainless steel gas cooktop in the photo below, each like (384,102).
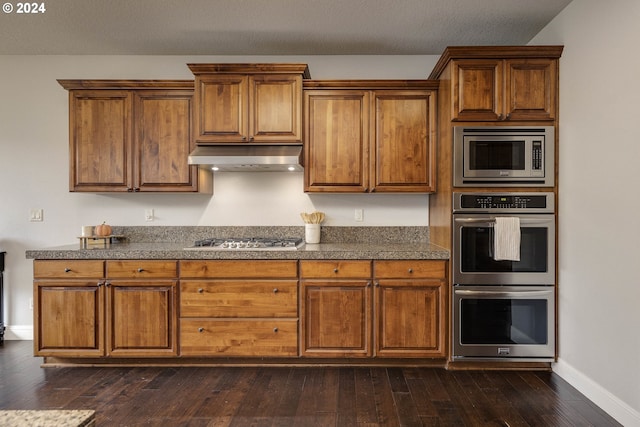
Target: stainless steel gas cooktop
(247,243)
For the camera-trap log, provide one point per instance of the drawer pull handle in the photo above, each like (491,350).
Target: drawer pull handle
(335,270)
(67,270)
(200,329)
(200,290)
(275,329)
(275,291)
(411,270)
(140,270)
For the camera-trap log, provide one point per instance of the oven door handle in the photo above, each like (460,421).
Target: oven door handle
(504,293)
(490,221)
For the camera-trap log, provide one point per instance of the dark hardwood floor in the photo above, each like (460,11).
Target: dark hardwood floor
(280,396)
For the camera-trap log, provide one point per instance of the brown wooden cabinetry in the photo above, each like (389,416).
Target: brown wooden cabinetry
(501,83)
(256,103)
(68,308)
(141,312)
(335,307)
(410,316)
(239,308)
(82,312)
(369,136)
(132,136)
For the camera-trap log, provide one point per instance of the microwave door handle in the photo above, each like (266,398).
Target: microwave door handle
(503,293)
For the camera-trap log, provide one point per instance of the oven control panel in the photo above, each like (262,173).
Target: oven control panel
(503,202)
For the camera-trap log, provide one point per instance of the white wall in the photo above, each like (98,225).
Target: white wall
(599,226)
(34,165)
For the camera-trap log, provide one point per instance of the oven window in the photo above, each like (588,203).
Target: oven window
(494,155)
(476,251)
(503,321)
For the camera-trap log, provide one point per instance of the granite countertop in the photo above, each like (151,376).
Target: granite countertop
(47,418)
(336,243)
(172,250)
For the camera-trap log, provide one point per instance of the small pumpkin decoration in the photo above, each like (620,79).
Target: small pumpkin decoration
(103,229)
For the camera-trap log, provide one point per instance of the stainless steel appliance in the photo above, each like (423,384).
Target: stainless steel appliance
(504,322)
(474,217)
(503,310)
(503,156)
(247,243)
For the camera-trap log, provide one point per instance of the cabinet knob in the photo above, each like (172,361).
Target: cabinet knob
(275,291)
(130,190)
(140,270)
(410,270)
(67,270)
(377,284)
(200,290)
(200,329)
(275,329)
(335,270)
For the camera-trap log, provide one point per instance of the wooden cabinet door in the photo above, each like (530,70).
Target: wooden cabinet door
(141,318)
(163,141)
(530,89)
(68,319)
(221,108)
(100,139)
(410,318)
(275,108)
(403,141)
(335,318)
(337,141)
(477,90)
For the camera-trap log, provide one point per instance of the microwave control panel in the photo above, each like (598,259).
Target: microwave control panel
(505,202)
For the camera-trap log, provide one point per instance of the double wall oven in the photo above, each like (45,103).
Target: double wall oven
(503,309)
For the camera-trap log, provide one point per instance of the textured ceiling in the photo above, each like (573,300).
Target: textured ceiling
(270,27)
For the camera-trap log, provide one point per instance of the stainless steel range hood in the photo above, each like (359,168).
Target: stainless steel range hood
(248,158)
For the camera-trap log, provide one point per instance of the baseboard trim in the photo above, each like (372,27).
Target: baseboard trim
(609,403)
(18,332)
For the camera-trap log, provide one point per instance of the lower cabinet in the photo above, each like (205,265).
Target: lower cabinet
(68,307)
(410,301)
(335,306)
(239,308)
(83,310)
(400,316)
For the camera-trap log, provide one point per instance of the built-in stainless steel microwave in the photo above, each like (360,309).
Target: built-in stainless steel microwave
(504,156)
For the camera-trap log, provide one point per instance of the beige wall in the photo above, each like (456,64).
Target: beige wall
(599,222)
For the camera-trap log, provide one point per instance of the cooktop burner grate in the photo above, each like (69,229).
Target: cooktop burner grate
(247,243)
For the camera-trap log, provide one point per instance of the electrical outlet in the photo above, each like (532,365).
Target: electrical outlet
(36,215)
(359,215)
(148,215)
(31,303)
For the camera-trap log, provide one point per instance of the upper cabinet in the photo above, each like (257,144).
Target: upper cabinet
(501,83)
(131,136)
(248,103)
(369,136)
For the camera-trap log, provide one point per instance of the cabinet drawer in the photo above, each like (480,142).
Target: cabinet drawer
(65,269)
(335,269)
(263,269)
(239,298)
(249,338)
(140,269)
(419,269)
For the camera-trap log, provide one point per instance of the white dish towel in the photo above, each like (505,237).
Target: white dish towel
(506,244)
